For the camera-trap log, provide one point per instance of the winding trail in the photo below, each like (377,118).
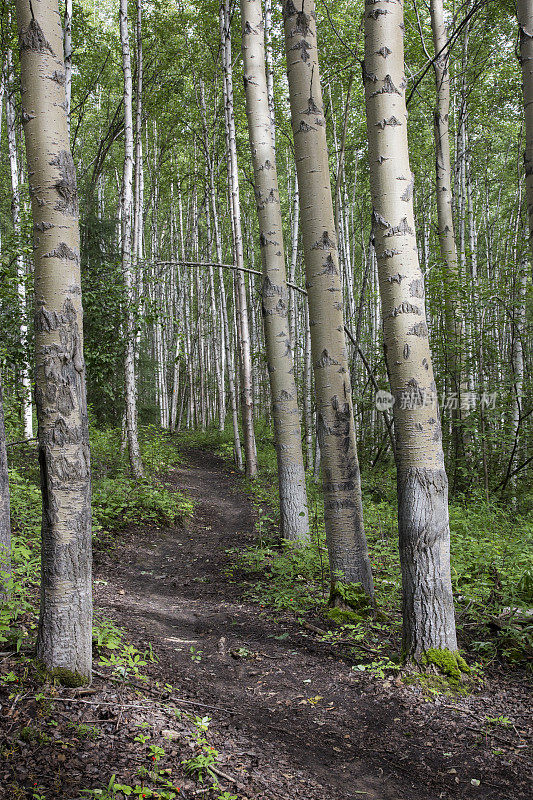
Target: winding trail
(293,721)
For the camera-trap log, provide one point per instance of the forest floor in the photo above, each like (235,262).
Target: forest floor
(289,718)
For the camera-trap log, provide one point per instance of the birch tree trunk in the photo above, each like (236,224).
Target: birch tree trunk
(287,433)
(67,47)
(524,9)
(247,404)
(64,638)
(343,510)
(27,413)
(127,218)
(269,67)
(225,326)
(428,612)
(452,302)
(5,517)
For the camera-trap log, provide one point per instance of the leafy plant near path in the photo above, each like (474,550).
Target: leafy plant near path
(492,565)
(117,501)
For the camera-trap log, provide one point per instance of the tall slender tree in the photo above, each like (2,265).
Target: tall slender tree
(247,403)
(343,509)
(287,433)
(130,388)
(453,315)
(524,10)
(428,611)
(27,411)
(65,625)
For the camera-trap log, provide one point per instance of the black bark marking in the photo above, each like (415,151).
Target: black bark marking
(26,116)
(389,254)
(325,243)
(420,329)
(312,107)
(406,351)
(325,360)
(395,278)
(387,88)
(34,39)
(391,121)
(63,251)
(66,185)
(289,10)
(58,77)
(379,220)
(303,47)
(404,308)
(401,229)
(329,266)
(304,127)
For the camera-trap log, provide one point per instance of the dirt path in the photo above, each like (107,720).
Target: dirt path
(361,738)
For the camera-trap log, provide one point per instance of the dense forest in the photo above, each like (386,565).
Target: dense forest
(266,409)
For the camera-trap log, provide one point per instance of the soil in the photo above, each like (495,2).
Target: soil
(290,718)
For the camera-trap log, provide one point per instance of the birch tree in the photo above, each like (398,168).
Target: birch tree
(27,412)
(343,510)
(287,433)
(452,301)
(247,404)
(428,611)
(64,640)
(524,9)
(126,231)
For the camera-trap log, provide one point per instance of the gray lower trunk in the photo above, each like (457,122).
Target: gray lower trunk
(428,611)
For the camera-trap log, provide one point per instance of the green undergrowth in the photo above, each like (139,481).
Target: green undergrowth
(161,759)
(492,565)
(117,501)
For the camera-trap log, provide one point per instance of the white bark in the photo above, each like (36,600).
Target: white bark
(27,412)
(428,611)
(284,396)
(343,511)
(524,10)
(65,626)
(67,47)
(240,295)
(127,215)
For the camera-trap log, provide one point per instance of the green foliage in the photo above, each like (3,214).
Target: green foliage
(67,677)
(450,664)
(106,634)
(128,660)
(84,731)
(117,500)
(351,595)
